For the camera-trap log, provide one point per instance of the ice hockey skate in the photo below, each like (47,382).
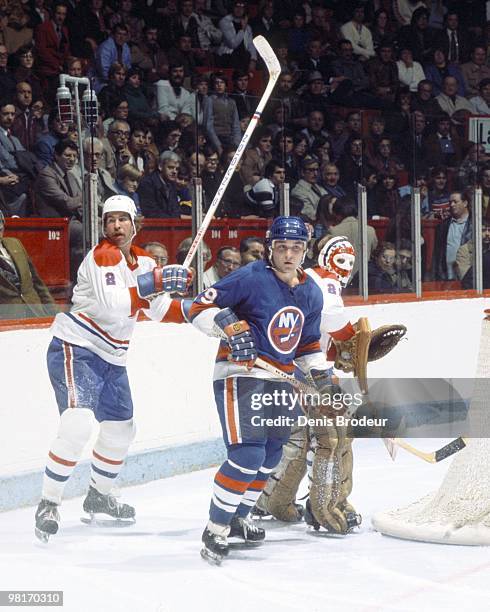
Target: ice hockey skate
(99,507)
(246,530)
(47,520)
(215,540)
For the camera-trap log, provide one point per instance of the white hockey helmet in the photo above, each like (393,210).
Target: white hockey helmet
(337,257)
(119,203)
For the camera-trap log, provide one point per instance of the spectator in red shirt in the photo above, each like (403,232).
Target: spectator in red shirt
(53,48)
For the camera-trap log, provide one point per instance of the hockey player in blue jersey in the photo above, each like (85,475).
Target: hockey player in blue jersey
(270,309)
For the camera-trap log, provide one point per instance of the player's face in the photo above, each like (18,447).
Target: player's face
(118,228)
(287,255)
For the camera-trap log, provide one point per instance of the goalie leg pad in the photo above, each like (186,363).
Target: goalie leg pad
(280,491)
(331,478)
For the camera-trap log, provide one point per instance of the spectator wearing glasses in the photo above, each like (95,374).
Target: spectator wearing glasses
(116,150)
(211,177)
(158,251)
(424,100)
(382,277)
(307,191)
(25,70)
(93,154)
(227,260)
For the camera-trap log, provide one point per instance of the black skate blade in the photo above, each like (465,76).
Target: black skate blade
(237,543)
(95,520)
(211,557)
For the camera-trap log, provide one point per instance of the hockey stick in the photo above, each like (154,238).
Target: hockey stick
(274,68)
(439,455)
(297,384)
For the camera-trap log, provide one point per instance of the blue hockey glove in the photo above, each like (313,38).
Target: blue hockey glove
(239,336)
(169,279)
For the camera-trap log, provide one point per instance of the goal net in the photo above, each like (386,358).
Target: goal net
(459,512)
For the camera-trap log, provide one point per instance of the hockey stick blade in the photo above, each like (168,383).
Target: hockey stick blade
(274,68)
(439,455)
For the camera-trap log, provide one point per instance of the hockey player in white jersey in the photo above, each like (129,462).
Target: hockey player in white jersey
(87,356)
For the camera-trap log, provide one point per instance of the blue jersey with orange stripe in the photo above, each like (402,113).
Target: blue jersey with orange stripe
(285,321)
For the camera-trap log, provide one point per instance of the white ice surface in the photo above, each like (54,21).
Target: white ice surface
(155,564)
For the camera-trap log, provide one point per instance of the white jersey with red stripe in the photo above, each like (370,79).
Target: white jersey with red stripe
(106,303)
(335,322)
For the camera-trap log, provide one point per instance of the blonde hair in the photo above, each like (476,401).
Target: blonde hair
(128,171)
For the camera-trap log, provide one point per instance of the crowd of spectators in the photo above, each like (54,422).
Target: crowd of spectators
(376,93)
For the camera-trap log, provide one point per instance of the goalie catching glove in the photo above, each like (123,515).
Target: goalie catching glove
(169,279)
(239,337)
(365,345)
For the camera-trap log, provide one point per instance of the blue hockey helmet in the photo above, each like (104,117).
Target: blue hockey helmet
(287,228)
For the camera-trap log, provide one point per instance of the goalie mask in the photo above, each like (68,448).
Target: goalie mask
(337,257)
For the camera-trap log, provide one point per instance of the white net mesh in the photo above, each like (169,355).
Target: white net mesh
(459,512)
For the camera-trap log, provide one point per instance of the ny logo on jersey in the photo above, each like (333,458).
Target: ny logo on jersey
(110,278)
(284,330)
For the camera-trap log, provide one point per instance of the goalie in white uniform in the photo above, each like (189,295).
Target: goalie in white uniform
(87,356)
